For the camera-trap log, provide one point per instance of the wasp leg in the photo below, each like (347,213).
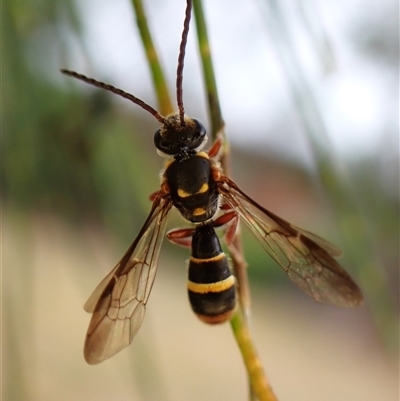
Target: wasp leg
(216,148)
(181,236)
(231,221)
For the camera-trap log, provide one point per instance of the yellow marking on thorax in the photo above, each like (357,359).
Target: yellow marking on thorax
(183,194)
(219,286)
(199,211)
(212,259)
(168,162)
(203,154)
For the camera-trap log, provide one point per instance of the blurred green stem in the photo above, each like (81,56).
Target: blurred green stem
(217,128)
(159,83)
(214,109)
(335,179)
(259,386)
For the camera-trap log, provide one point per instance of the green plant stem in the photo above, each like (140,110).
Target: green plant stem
(214,109)
(336,180)
(258,380)
(259,387)
(159,83)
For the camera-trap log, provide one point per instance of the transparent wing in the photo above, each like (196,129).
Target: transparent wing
(119,302)
(306,258)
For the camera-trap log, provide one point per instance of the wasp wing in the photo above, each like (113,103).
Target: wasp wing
(119,302)
(306,258)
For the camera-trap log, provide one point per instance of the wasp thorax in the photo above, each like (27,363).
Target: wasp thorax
(178,139)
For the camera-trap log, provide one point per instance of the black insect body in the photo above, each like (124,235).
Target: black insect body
(192,188)
(211,285)
(195,184)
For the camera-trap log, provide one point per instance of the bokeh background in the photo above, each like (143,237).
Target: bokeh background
(309,94)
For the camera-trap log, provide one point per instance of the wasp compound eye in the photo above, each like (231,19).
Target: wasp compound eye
(198,134)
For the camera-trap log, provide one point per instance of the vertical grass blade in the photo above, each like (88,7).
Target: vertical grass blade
(159,82)
(336,180)
(259,386)
(214,108)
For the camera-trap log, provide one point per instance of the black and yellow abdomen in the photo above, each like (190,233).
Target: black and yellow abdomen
(211,285)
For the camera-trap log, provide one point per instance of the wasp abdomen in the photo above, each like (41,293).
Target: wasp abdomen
(211,285)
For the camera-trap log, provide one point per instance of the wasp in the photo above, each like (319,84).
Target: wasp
(194,183)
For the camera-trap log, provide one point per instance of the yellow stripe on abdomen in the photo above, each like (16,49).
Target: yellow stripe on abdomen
(217,258)
(216,287)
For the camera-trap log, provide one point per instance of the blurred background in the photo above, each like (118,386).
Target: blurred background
(309,94)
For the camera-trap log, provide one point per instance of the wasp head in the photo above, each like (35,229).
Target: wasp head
(180,139)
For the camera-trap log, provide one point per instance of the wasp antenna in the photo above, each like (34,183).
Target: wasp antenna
(181,61)
(117,91)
